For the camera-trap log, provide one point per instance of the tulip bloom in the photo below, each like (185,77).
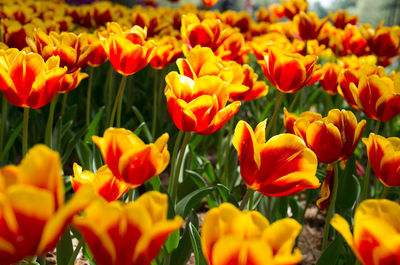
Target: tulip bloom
(378,97)
(232,237)
(294,7)
(332,138)
(342,18)
(197,97)
(26,80)
(33,214)
(376,232)
(279,167)
(307,25)
(168,50)
(104,182)
(209,3)
(290,118)
(384,157)
(131,160)
(383,41)
(290,72)
(354,42)
(129,234)
(128,51)
(330,80)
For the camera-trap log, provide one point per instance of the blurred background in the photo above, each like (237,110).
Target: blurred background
(369,11)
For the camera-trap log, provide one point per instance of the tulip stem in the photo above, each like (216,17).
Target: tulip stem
(385,192)
(64,103)
(25,131)
(130,195)
(228,144)
(118,102)
(331,205)
(89,96)
(108,91)
(365,183)
(75,253)
(155,103)
(48,136)
(177,168)
(247,195)
(279,99)
(296,98)
(3,123)
(42,260)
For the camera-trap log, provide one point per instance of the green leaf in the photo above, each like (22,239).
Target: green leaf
(184,206)
(64,248)
(181,254)
(349,186)
(72,144)
(11,141)
(226,194)
(139,116)
(196,244)
(92,128)
(172,241)
(332,252)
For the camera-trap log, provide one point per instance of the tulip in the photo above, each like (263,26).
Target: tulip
(330,80)
(289,72)
(33,214)
(209,3)
(26,80)
(332,138)
(290,118)
(104,182)
(168,50)
(14,34)
(294,7)
(232,237)
(384,157)
(342,18)
(383,41)
(131,160)
(307,25)
(378,97)
(130,234)
(354,42)
(376,232)
(279,167)
(128,51)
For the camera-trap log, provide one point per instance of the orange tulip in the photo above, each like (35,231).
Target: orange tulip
(279,167)
(330,80)
(72,49)
(294,7)
(14,34)
(104,182)
(378,97)
(332,138)
(97,56)
(26,80)
(128,51)
(209,3)
(33,214)
(129,234)
(197,98)
(383,41)
(168,50)
(71,81)
(290,118)
(342,18)
(265,15)
(384,157)
(375,239)
(131,160)
(232,237)
(307,26)
(354,42)
(289,72)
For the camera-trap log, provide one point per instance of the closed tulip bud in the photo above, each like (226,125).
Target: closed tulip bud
(330,80)
(294,7)
(279,167)
(342,18)
(307,25)
(375,239)
(232,237)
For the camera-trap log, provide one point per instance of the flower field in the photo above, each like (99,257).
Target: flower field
(121,126)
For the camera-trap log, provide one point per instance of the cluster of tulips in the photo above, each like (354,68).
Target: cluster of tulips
(327,82)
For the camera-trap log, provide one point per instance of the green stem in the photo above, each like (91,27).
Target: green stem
(331,205)
(177,169)
(3,122)
(118,102)
(280,96)
(25,132)
(366,178)
(89,96)
(130,195)
(385,191)
(64,103)
(48,136)
(155,103)
(75,253)
(173,158)
(247,195)
(228,144)
(42,260)
(328,104)
(108,91)
(296,98)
